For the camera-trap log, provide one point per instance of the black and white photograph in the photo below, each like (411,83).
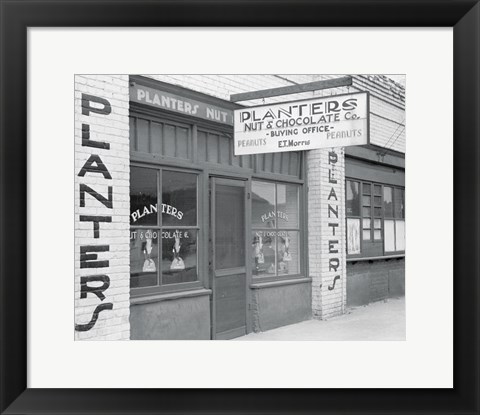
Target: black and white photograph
(203,207)
(252,207)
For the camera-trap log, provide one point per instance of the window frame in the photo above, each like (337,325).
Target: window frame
(372,217)
(300,229)
(183,286)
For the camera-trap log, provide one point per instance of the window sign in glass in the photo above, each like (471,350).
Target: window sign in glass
(353,236)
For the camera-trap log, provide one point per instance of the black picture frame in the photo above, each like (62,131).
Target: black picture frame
(18,15)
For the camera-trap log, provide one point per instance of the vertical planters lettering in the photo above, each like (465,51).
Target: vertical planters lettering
(333,221)
(93,255)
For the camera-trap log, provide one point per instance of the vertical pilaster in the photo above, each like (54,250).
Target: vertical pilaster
(102,207)
(326,231)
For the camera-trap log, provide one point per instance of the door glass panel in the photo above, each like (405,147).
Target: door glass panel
(229,226)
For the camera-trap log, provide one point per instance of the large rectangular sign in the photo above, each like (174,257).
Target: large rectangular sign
(179,104)
(327,122)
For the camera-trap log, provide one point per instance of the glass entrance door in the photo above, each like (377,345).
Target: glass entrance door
(227,258)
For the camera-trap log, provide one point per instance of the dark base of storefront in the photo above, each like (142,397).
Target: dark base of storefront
(281,303)
(374,280)
(187,315)
(179,316)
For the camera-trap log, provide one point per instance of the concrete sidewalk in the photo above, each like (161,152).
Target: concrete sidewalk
(383,320)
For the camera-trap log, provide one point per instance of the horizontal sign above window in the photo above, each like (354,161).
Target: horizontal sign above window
(335,121)
(179,104)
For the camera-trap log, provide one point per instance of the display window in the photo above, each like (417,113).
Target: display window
(375,219)
(275,229)
(163,228)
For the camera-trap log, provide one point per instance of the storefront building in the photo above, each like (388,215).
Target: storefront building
(178,238)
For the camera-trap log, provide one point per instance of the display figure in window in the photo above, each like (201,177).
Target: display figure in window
(284,254)
(258,257)
(287,257)
(257,249)
(177,263)
(149,263)
(263,255)
(269,256)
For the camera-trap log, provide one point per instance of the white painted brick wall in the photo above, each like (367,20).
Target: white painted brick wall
(114,129)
